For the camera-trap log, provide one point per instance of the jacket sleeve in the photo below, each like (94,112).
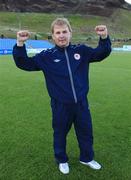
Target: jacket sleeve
(22,60)
(100,52)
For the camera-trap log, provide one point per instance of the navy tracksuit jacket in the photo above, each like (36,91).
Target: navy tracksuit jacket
(66,73)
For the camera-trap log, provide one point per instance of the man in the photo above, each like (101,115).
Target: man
(65,68)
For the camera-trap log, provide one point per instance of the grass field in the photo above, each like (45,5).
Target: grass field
(26,151)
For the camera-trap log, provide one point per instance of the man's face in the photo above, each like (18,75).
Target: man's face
(61,35)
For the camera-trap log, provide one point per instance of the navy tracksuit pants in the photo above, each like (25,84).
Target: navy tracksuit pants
(64,115)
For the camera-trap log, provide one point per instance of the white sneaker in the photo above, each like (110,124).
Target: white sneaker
(92,164)
(64,168)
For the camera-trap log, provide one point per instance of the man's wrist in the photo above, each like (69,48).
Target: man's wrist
(104,37)
(20,43)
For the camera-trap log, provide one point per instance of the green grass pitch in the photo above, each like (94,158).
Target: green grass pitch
(26,151)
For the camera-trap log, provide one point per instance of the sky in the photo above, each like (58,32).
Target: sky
(128,1)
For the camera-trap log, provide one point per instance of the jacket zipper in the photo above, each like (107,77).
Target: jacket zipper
(70,75)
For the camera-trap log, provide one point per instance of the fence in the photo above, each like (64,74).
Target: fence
(33,46)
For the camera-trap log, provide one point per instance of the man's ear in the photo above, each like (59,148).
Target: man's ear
(52,36)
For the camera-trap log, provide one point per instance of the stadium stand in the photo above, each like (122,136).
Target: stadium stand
(6,45)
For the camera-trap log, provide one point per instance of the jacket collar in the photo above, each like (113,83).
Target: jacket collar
(62,48)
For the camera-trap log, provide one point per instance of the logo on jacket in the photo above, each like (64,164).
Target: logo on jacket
(77,56)
(57,60)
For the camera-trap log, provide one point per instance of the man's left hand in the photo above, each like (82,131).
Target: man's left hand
(101,30)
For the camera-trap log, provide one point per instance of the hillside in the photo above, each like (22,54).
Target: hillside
(119,25)
(94,7)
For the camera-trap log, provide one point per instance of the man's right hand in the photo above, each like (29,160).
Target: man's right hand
(22,36)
